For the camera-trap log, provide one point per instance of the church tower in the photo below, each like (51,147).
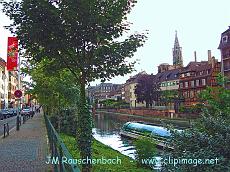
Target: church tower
(177,53)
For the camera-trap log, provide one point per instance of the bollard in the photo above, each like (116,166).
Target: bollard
(24,119)
(20,121)
(7,129)
(4,130)
(17,123)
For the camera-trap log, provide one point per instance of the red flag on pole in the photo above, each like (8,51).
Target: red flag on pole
(12,53)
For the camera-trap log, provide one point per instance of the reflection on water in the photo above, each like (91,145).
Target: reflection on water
(115,141)
(106,130)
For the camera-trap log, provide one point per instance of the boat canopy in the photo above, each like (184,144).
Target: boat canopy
(146,128)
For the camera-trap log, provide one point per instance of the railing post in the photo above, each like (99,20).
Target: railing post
(60,157)
(56,155)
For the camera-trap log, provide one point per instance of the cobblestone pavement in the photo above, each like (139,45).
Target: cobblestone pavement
(25,150)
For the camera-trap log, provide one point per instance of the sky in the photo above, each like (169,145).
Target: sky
(199,24)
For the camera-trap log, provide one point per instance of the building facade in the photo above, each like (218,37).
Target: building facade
(129,89)
(118,93)
(101,91)
(12,87)
(195,77)
(3,84)
(224,47)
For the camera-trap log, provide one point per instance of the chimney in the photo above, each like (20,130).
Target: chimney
(213,61)
(209,57)
(195,56)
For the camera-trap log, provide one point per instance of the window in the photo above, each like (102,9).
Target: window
(181,85)
(203,82)
(225,39)
(192,83)
(188,74)
(191,94)
(182,75)
(186,84)
(197,83)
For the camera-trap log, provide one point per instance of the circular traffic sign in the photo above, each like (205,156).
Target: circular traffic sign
(18,93)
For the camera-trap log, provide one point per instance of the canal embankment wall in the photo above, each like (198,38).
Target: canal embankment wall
(149,112)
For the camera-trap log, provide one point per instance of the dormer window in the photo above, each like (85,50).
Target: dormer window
(225,39)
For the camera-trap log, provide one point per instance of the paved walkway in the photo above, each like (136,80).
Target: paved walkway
(25,150)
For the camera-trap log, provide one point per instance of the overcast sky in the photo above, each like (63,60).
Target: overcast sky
(199,24)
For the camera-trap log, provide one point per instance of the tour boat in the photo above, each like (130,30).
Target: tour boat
(136,129)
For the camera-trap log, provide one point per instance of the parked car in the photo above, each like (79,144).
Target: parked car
(12,111)
(5,113)
(25,112)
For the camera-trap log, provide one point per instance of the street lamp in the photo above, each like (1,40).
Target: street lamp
(4,96)
(19,101)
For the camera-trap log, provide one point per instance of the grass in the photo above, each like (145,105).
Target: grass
(100,150)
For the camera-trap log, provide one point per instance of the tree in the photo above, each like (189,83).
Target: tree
(81,36)
(169,97)
(209,136)
(53,90)
(147,89)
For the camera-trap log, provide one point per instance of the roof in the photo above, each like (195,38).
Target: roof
(225,44)
(196,66)
(167,75)
(134,79)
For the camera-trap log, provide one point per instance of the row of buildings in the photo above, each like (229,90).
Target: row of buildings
(187,81)
(8,85)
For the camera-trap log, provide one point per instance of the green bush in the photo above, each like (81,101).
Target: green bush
(208,138)
(145,148)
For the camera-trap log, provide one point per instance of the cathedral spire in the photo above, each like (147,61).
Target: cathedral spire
(177,52)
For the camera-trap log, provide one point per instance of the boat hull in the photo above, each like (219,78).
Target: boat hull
(160,144)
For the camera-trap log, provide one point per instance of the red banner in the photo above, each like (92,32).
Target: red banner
(12,53)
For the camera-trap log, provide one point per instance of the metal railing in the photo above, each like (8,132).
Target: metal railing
(59,150)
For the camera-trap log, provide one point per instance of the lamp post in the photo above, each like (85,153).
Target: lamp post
(4,97)
(18,117)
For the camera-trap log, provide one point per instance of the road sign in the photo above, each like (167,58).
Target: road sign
(18,93)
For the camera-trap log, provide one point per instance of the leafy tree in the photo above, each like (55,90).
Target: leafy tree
(81,36)
(147,89)
(168,96)
(208,138)
(54,91)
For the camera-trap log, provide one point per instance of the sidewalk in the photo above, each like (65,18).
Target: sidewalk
(25,150)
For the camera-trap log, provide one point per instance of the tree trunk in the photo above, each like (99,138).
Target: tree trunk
(84,129)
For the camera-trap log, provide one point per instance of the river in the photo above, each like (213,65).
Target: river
(107,127)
